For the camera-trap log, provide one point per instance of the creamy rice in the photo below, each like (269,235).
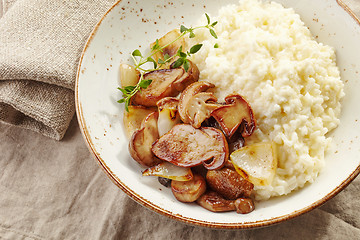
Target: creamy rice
(269,56)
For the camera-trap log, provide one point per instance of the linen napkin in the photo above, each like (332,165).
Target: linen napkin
(40,45)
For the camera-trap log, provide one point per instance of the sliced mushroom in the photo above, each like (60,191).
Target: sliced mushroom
(229,183)
(235,112)
(165,83)
(215,202)
(189,191)
(200,107)
(172,48)
(244,205)
(128,75)
(236,141)
(166,182)
(195,105)
(168,114)
(211,122)
(134,117)
(186,146)
(141,141)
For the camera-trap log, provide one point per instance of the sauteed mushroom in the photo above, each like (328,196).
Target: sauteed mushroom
(229,183)
(195,105)
(141,141)
(186,146)
(235,112)
(244,205)
(215,202)
(172,48)
(165,83)
(189,191)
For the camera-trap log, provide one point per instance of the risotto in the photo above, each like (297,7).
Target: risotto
(266,54)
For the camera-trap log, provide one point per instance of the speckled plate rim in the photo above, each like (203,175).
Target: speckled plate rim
(136,197)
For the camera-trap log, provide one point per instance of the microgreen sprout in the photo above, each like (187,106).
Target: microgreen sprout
(182,59)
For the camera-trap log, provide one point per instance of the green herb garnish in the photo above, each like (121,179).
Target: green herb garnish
(139,60)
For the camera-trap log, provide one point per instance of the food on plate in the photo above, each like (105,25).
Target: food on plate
(195,105)
(229,183)
(242,120)
(256,163)
(169,171)
(267,55)
(186,146)
(189,191)
(141,141)
(165,83)
(168,114)
(134,117)
(244,205)
(129,76)
(229,121)
(172,41)
(214,202)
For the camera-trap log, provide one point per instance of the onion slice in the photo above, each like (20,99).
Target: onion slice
(170,171)
(257,163)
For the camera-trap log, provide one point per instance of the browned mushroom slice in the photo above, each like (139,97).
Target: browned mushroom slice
(244,205)
(172,48)
(233,114)
(168,114)
(134,117)
(165,83)
(186,146)
(190,76)
(196,106)
(215,202)
(168,102)
(189,191)
(141,141)
(229,183)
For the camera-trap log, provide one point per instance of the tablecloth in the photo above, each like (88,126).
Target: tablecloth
(53,189)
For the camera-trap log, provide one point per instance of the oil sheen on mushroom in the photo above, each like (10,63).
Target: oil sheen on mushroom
(196,105)
(165,83)
(235,112)
(189,191)
(214,202)
(229,183)
(186,146)
(141,141)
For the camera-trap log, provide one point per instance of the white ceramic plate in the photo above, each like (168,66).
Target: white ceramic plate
(129,25)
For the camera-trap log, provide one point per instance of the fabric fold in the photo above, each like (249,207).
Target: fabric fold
(45,108)
(40,46)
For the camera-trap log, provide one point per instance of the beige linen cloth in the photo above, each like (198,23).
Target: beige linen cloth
(55,189)
(40,45)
